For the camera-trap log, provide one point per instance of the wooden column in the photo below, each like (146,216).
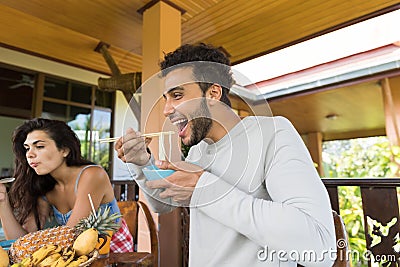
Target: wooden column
(161,34)
(391,101)
(37,99)
(314,145)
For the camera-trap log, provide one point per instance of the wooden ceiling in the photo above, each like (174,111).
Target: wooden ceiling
(341,113)
(69,31)
(344,112)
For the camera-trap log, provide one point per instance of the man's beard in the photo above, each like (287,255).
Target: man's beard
(201,123)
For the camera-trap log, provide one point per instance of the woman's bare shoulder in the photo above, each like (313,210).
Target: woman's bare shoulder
(94,172)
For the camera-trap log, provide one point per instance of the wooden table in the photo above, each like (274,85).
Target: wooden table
(139,259)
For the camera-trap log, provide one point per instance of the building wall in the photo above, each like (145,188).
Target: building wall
(19,59)
(123,119)
(6,156)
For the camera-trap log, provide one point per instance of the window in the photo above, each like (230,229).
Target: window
(18,86)
(90,118)
(101,125)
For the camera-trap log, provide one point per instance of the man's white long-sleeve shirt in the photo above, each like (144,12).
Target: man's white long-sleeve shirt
(260,201)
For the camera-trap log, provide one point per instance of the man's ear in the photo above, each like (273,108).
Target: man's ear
(215,92)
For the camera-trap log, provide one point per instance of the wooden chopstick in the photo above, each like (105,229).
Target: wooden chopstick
(108,140)
(113,139)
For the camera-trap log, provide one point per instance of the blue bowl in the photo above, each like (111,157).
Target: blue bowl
(154,173)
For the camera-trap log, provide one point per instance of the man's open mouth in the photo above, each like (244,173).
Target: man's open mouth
(181,124)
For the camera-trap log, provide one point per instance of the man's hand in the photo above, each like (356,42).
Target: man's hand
(132,148)
(179,185)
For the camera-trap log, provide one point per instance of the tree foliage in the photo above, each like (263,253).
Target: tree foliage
(358,158)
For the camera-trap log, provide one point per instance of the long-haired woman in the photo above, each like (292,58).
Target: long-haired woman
(53,181)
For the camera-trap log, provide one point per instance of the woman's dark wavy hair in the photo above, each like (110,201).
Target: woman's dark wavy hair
(28,185)
(215,73)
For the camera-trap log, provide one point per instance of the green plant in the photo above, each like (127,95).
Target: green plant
(352,215)
(366,157)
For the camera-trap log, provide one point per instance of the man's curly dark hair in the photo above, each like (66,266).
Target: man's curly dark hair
(209,73)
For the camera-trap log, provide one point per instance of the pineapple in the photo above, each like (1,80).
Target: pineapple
(102,222)
(63,235)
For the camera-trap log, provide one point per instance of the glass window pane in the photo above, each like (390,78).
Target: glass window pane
(101,129)
(104,99)
(81,93)
(77,118)
(66,90)
(62,112)
(81,126)
(54,111)
(16,90)
(56,88)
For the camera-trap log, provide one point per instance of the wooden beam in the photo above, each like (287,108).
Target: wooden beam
(127,83)
(161,34)
(103,49)
(391,106)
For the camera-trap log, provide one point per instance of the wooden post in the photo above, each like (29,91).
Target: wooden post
(161,34)
(314,145)
(37,100)
(391,101)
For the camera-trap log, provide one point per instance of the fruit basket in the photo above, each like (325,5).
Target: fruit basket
(93,256)
(90,258)
(64,245)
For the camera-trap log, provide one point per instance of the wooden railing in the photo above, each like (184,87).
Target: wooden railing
(379,203)
(125,190)
(381,214)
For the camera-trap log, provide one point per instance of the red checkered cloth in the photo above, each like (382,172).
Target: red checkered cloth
(122,241)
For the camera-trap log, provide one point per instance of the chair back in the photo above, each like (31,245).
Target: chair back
(129,211)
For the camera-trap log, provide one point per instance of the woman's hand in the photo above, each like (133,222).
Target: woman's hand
(3,193)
